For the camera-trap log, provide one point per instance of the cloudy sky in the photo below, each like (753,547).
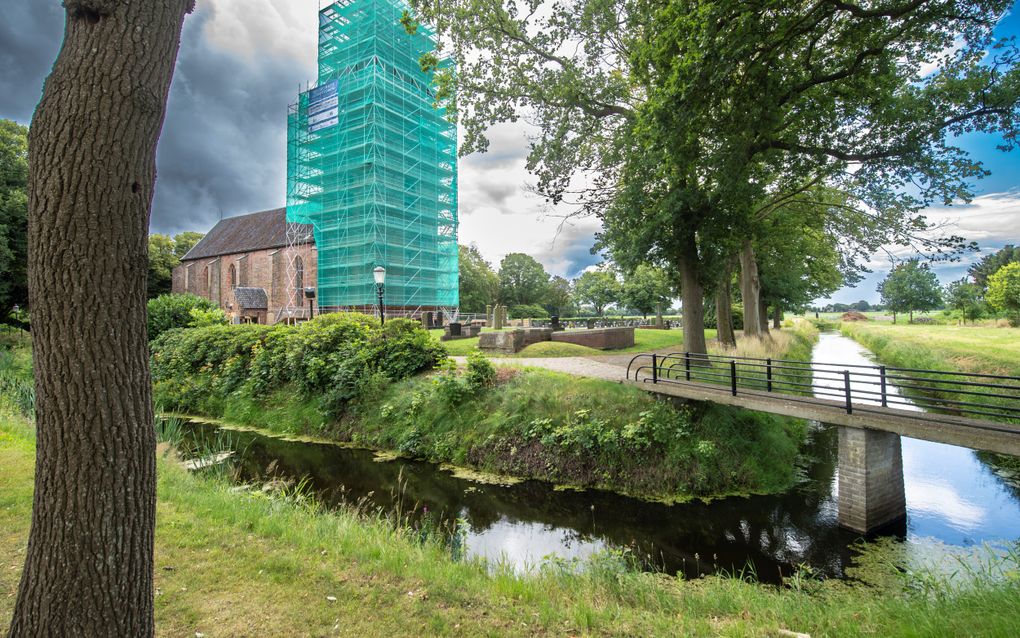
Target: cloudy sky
(223,149)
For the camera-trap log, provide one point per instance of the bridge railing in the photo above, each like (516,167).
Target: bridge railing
(986,396)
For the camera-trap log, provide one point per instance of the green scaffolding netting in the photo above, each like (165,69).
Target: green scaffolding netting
(372,164)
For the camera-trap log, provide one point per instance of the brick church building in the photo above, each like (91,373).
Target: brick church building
(241,264)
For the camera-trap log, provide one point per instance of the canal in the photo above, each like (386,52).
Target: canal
(952,499)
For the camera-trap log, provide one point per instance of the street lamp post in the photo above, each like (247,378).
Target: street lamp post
(380,281)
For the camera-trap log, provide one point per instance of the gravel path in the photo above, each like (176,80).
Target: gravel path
(612,368)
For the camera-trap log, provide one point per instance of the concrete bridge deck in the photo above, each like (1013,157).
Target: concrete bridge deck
(966,432)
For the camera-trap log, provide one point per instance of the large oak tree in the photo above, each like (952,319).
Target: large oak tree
(678,122)
(92,147)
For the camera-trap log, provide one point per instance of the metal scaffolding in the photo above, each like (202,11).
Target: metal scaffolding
(372,165)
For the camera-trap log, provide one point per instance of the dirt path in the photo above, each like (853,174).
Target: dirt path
(612,367)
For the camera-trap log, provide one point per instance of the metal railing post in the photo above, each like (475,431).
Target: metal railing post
(768,373)
(885,402)
(733,377)
(655,368)
(846,387)
(687,364)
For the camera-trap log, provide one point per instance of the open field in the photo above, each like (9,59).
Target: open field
(941,347)
(251,563)
(644,341)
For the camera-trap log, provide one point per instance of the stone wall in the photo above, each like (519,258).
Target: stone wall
(600,338)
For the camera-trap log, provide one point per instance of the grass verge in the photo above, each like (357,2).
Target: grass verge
(258,564)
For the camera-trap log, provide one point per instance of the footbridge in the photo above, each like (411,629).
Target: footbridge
(873,405)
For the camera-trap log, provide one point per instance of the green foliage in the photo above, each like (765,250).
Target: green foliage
(965,299)
(480,371)
(1004,291)
(332,359)
(479,285)
(558,296)
(165,253)
(17,387)
(582,432)
(202,317)
(170,311)
(528,311)
(692,122)
(646,289)
(522,280)
(600,288)
(711,321)
(990,264)
(909,287)
(13,218)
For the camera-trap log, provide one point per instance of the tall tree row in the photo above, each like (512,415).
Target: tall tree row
(691,123)
(88,568)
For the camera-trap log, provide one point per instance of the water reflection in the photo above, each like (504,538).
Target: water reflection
(950,496)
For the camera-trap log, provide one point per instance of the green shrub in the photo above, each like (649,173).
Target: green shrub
(480,371)
(528,311)
(333,359)
(167,312)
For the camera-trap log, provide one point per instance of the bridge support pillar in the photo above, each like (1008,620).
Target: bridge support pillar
(871,492)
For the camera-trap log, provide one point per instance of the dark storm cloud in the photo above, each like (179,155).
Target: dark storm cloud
(30,35)
(224,143)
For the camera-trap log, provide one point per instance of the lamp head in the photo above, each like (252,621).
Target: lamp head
(380,275)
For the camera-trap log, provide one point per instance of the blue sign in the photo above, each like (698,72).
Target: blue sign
(323,106)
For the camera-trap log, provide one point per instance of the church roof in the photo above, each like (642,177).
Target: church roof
(246,233)
(251,298)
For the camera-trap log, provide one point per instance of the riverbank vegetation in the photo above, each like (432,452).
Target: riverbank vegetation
(343,378)
(232,562)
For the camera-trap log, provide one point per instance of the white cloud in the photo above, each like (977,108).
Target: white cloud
(253,28)
(500,215)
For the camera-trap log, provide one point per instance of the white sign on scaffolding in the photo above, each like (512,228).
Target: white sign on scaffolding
(323,106)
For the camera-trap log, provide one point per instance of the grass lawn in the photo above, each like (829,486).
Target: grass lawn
(944,347)
(644,341)
(251,564)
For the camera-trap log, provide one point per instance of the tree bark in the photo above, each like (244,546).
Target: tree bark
(724,310)
(777,317)
(750,290)
(88,568)
(693,298)
(763,315)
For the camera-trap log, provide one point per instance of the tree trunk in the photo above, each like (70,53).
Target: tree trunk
(763,316)
(911,319)
(750,290)
(724,311)
(88,567)
(777,317)
(693,298)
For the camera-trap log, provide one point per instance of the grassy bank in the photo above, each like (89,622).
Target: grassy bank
(526,423)
(253,563)
(985,350)
(532,423)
